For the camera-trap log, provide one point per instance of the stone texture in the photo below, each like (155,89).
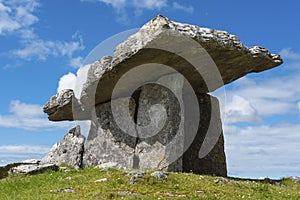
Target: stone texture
(26,167)
(163,41)
(161,175)
(170,122)
(106,142)
(64,106)
(67,152)
(295,179)
(161,145)
(209,132)
(33,168)
(176,147)
(59,107)
(163,139)
(95,72)
(154,44)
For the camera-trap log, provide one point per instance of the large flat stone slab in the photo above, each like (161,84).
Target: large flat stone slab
(207,58)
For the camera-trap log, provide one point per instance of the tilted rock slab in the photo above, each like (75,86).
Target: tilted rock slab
(64,106)
(68,152)
(33,168)
(26,167)
(154,43)
(162,41)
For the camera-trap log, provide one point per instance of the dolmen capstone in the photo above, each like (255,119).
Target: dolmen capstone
(149,103)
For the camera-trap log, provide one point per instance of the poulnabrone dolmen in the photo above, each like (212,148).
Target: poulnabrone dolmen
(149,104)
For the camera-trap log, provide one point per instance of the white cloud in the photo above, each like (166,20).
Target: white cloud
(29,117)
(121,4)
(76,62)
(287,53)
(74,82)
(118,4)
(122,7)
(270,96)
(188,9)
(150,4)
(240,110)
(67,81)
(17,153)
(251,150)
(16,15)
(24,12)
(22,110)
(35,49)
(27,34)
(7,24)
(40,49)
(23,149)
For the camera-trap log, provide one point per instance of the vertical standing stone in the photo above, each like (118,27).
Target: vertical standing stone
(159,108)
(107,143)
(176,145)
(210,128)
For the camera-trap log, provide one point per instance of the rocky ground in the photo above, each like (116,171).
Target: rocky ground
(20,181)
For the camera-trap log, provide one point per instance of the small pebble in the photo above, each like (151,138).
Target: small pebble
(66,190)
(68,178)
(160,175)
(101,180)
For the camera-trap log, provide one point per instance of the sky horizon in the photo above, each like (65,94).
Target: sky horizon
(46,44)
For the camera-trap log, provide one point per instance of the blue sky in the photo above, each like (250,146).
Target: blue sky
(43,44)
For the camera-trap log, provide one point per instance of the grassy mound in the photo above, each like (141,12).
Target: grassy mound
(116,184)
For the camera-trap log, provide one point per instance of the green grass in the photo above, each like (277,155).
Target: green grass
(189,186)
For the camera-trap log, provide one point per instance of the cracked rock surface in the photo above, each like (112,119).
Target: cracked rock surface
(156,132)
(154,43)
(68,152)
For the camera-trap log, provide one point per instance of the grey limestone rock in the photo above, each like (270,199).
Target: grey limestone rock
(161,134)
(171,123)
(59,107)
(161,175)
(33,168)
(177,145)
(155,43)
(65,106)
(67,152)
(209,132)
(107,142)
(160,131)
(295,179)
(218,56)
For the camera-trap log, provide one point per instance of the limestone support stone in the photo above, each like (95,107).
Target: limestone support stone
(106,142)
(168,148)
